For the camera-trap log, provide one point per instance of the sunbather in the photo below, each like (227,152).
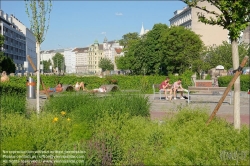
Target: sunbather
(79,86)
(58,88)
(101,89)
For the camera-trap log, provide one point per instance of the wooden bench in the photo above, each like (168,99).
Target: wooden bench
(208,91)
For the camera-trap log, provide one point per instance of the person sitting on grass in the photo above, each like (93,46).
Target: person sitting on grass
(79,86)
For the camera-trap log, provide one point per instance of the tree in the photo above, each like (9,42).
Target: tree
(128,39)
(221,55)
(182,49)
(162,50)
(234,16)
(40,10)
(58,61)
(46,65)
(6,63)
(106,64)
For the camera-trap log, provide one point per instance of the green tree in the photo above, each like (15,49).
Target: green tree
(182,50)
(58,61)
(6,63)
(106,64)
(128,39)
(221,55)
(40,10)
(121,63)
(234,16)
(46,65)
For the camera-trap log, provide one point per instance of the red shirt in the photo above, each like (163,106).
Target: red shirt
(164,84)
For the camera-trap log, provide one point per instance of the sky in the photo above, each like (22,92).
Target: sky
(79,23)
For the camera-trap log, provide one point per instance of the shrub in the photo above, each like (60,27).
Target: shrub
(244,82)
(13,98)
(183,140)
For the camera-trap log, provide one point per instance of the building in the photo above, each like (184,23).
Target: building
(210,34)
(81,60)
(95,55)
(19,41)
(246,35)
(143,31)
(70,61)
(112,50)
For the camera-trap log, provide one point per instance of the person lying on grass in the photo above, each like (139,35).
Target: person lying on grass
(79,86)
(101,89)
(58,88)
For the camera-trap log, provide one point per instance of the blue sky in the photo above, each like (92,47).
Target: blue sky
(80,23)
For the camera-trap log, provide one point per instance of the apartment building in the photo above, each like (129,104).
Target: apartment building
(210,34)
(70,61)
(246,35)
(19,41)
(30,42)
(111,50)
(95,55)
(81,60)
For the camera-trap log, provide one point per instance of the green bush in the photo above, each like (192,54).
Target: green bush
(183,140)
(244,82)
(143,83)
(13,98)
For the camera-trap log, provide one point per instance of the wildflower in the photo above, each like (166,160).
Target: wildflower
(63,113)
(68,119)
(55,119)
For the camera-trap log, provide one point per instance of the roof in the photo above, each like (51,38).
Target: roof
(118,50)
(80,50)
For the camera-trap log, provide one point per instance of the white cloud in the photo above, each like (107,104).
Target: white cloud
(118,14)
(103,33)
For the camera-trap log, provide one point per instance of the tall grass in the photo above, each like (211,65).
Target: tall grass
(182,140)
(117,130)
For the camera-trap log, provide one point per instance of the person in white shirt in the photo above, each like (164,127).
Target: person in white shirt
(79,86)
(177,87)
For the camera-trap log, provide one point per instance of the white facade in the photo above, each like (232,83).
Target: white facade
(111,50)
(70,61)
(81,60)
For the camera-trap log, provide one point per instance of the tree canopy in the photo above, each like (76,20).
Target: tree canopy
(162,50)
(6,63)
(106,64)
(58,61)
(221,55)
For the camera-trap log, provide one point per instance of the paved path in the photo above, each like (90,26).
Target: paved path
(162,108)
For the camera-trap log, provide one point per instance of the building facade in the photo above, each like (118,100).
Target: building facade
(95,55)
(81,60)
(19,41)
(246,35)
(210,34)
(70,61)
